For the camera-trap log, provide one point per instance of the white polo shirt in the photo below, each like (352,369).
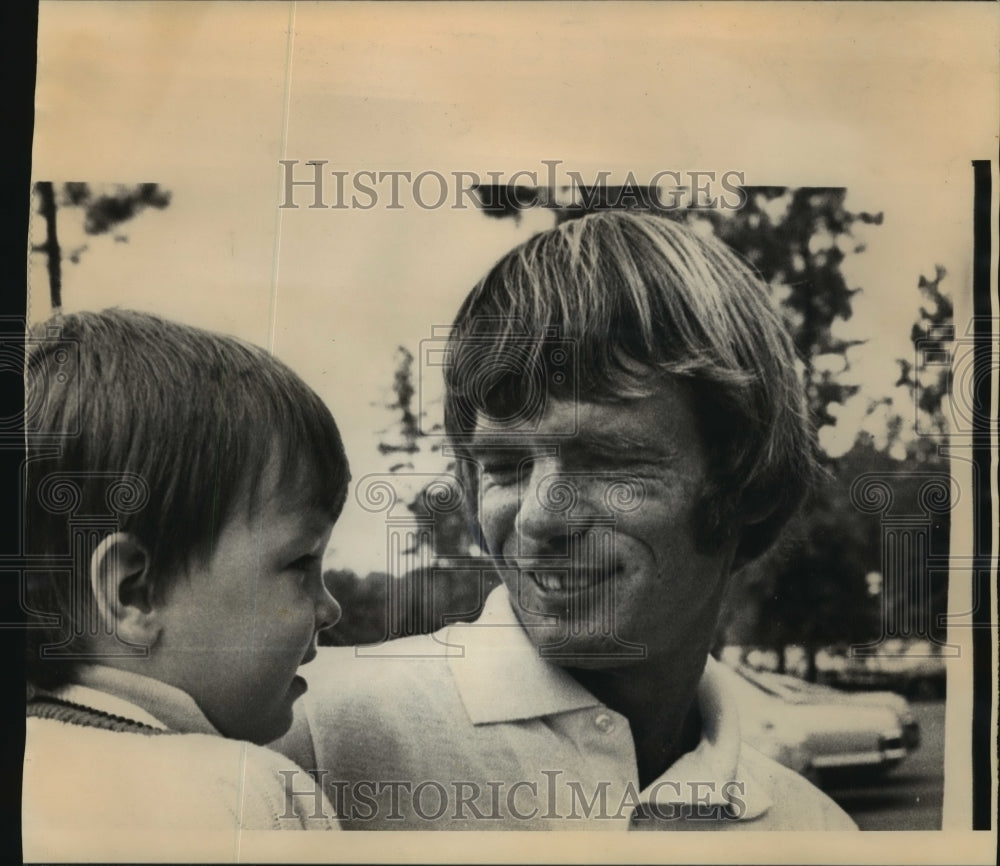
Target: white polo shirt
(469,728)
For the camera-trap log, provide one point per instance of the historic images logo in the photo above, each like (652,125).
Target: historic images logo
(312,184)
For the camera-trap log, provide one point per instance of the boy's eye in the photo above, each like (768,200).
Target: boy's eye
(305,563)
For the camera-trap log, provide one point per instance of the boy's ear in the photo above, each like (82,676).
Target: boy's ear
(123,590)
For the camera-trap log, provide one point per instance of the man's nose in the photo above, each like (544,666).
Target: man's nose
(551,503)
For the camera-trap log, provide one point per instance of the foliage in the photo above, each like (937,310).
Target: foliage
(379,607)
(402,387)
(927,377)
(107,208)
(104,211)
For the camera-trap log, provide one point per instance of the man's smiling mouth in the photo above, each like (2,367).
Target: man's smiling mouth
(568,580)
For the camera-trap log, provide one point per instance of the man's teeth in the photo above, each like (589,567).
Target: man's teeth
(549,580)
(560,580)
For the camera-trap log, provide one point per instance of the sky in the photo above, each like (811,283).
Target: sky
(891,101)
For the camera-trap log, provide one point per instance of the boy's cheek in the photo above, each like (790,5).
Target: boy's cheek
(286,631)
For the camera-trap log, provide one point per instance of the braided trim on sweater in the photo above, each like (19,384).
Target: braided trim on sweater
(75,714)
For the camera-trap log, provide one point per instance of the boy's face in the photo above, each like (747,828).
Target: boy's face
(237,627)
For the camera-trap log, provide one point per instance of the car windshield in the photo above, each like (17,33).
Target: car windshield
(755,679)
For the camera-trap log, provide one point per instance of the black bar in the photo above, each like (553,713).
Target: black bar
(19,29)
(983,674)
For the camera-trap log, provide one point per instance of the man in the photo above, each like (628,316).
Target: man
(622,400)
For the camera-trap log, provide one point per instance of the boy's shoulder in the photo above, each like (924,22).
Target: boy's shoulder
(81,780)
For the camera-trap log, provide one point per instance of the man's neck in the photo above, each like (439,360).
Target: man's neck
(662,711)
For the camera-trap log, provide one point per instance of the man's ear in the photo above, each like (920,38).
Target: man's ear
(123,590)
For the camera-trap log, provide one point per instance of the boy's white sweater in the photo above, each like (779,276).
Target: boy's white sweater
(108,778)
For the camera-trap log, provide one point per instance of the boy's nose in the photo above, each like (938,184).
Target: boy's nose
(328,610)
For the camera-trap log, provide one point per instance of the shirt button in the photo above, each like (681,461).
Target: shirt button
(604,723)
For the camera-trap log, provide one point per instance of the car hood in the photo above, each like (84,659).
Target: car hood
(836,720)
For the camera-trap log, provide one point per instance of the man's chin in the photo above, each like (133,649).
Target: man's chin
(578,644)
(603,652)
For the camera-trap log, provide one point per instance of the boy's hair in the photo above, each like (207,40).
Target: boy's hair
(587,310)
(161,430)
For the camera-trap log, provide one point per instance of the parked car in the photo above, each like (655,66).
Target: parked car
(913,668)
(797,691)
(823,741)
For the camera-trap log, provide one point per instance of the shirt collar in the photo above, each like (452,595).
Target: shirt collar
(501,678)
(713,771)
(137,697)
(499,673)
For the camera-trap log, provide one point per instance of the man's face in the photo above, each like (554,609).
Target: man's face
(238,626)
(590,519)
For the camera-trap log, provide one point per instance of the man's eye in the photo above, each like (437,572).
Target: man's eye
(503,472)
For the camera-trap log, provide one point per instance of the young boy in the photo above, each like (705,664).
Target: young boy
(181,488)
